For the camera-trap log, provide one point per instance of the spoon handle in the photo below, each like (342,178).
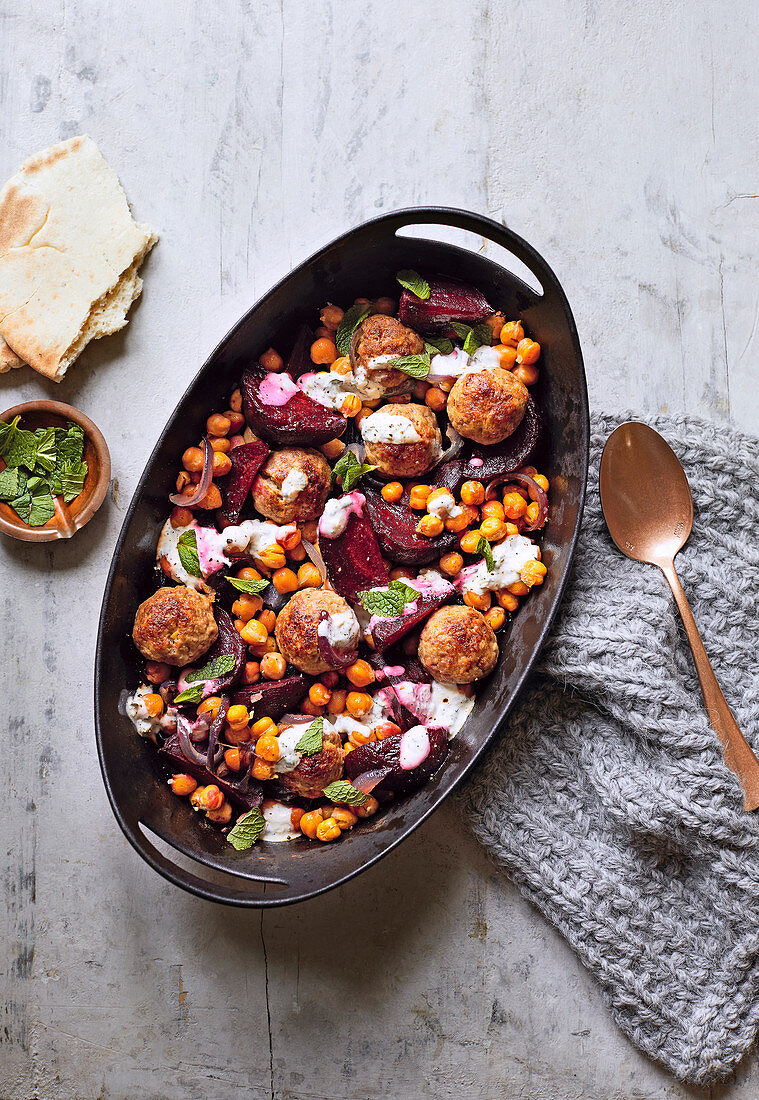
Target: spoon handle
(737,752)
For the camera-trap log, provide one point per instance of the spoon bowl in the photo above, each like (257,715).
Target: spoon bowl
(645,494)
(648,508)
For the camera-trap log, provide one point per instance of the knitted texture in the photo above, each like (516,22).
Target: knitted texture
(606,798)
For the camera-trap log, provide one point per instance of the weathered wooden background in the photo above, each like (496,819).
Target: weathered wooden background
(621,139)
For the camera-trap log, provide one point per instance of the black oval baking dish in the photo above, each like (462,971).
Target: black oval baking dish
(363,261)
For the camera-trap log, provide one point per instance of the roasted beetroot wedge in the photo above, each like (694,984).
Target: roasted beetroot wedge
(449,300)
(272,699)
(228,642)
(299,361)
(276,409)
(352,555)
(395,527)
(378,756)
(244,794)
(388,631)
(484,463)
(246,461)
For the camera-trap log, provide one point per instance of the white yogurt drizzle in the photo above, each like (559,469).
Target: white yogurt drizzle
(341,629)
(388,427)
(294,484)
(509,557)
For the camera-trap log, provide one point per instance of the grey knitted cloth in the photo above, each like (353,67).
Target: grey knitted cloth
(606,798)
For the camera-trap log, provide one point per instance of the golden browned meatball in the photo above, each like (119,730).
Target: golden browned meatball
(457,645)
(316,772)
(175,626)
(379,337)
(402,440)
(299,624)
(487,405)
(292,485)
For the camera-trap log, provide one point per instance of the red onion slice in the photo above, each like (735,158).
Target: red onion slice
(315,556)
(213,756)
(190,753)
(196,494)
(367,781)
(533,489)
(454,449)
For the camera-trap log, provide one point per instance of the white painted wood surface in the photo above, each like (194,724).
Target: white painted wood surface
(621,140)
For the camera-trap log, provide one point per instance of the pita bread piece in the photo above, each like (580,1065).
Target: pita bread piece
(68,244)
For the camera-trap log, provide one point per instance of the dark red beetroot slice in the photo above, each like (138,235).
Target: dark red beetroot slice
(386,754)
(353,559)
(228,642)
(299,421)
(299,361)
(273,699)
(246,460)
(449,300)
(502,458)
(244,795)
(395,527)
(387,632)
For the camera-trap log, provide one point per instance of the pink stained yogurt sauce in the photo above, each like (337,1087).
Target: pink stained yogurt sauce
(211,556)
(337,512)
(276,389)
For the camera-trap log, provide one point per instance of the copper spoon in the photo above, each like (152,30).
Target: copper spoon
(648,509)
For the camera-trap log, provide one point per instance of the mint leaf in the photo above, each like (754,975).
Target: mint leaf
(70,445)
(405,590)
(416,366)
(17,446)
(187,546)
(69,480)
(350,470)
(443,346)
(7,431)
(344,793)
(21,505)
(42,508)
(350,322)
(414,282)
(483,547)
(473,338)
(387,602)
(191,694)
(247,830)
(219,666)
(9,483)
(312,740)
(46,448)
(250,588)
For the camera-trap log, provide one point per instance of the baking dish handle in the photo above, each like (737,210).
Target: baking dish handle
(484,227)
(281,894)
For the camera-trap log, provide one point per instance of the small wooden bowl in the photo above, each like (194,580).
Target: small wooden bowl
(68,518)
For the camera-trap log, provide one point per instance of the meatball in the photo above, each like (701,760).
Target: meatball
(402,440)
(175,626)
(297,629)
(292,485)
(377,338)
(457,645)
(487,405)
(316,772)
